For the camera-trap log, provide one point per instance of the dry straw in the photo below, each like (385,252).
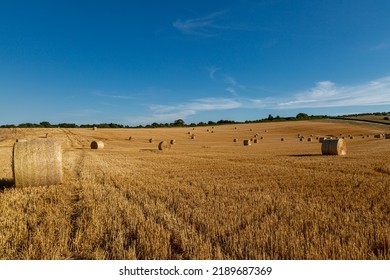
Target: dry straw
(164,146)
(37,163)
(97,145)
(247,142)
(334,147)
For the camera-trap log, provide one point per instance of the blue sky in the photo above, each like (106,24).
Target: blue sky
(138,62)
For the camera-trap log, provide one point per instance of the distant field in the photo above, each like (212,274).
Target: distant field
(375,118)
(205,198)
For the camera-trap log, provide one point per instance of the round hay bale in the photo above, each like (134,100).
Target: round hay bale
(309,139)
(378,136)
(334,147)
(130,138)
(189,132)
(193,136)
(301,139)
(151,140)
(350,137)
(172,142)
(47,135)
(94,128)
(282,139)
(387,136)
(247,142)
(235,140)
(37,163)
(255,140)
(262,137)
(164,146)
(97,145)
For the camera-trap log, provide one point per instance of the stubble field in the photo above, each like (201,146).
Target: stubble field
(205,198)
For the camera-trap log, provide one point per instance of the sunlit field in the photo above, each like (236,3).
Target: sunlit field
(205,198)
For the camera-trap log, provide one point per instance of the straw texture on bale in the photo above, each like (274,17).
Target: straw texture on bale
(164,146)
(247,142)
(37,163)
(21,140)
(334,147)
(97,145)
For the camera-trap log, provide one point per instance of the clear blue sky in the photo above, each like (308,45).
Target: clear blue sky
(138,62)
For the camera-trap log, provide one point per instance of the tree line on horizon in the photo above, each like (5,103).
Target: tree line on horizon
(179,122)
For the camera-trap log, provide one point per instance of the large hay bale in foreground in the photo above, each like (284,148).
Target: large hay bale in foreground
(97,145)
(164,146)
(37,163)
(334,147)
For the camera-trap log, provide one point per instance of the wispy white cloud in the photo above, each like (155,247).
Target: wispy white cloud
(380,47)
(328,94)
(206,26)
(123,97)
(323,94)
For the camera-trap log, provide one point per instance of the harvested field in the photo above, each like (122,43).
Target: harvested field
(205,199)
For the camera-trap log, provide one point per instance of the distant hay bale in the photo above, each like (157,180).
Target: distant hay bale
(189,132)
(97,145)
(164,146)
(208,130)
(262,137)
(301,139)
(309,139)
(334,147)
(250,129)
(131,138)
(247,142)
(387,136)
(235,140)
(255,140)
(378,136)
(21,140)
(212,131)
(37,163)
(47,135)
(265,130)
(282,139)
(151,140)
(193,136)
(172,142)
(351,137)
(94,128)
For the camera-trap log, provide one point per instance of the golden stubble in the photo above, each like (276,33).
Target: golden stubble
(205,198)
